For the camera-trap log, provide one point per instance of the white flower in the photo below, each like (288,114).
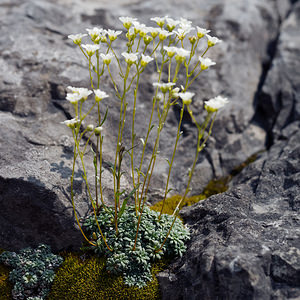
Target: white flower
(175,92)
(163,34)
(99,95)
(206,62)
(95,33)
(145,60)
(112,34)
(153,31)
(211,41)
(142,140)
(71,123)
(106,57)
(201,32)
(185,24)
(142,29)
(159,21)
(171,24)
(76,38)
(182,32)
(127,21)
(181,54)
(73,98)
(90,49)
(164,87)
(130,58)
(186,97)
(170,50)
(130,34)
(215,104)
(77,94)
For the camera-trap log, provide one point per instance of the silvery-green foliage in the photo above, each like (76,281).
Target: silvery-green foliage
(33,271)
(135,265)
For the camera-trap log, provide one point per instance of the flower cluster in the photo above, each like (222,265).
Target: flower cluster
(33,271)
(132,237)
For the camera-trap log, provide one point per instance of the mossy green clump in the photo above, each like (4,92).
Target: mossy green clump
(172,202)
(87,279)
(215,186)
(5,285)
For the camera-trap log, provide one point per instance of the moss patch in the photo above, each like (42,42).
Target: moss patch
(87,279)
(5,285)
(215,186)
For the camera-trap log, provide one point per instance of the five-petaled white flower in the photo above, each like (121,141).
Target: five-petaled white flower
(182,32)
(77,94)
(99,95)
(171,23)
(95,33)
(71,123)
(186,97)
(145,60)
(184,23)
(160,21)
(175,92)
(76,38)
(90,49)
(181,54)
(212,40)
(170,50)
(164,87)
(142,29)
(127,21)
(206,62)
(215,104)
(130,58)
(112,34)
(106,57)
(153,31)
(201,32)
(163,34)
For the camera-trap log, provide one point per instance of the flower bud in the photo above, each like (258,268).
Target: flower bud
(98,130)
(90,127)
(192,39)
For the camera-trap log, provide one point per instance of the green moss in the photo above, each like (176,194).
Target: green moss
(87,279)
(5,285)
(215,186)
(172,202)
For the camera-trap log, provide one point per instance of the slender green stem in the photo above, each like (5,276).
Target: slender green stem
(198,150)
(88,189)
(115,85)
(118,61)
(172,160)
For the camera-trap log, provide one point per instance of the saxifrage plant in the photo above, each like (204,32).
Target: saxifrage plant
(132,236)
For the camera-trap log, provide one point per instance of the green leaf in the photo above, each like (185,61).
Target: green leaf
(125,201)
(105,116)
(168,162)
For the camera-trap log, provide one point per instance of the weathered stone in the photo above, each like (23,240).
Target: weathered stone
(38,62)
(278,102)
(246,242)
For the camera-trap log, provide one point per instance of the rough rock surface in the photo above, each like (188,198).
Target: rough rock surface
(246,242)
(257,68)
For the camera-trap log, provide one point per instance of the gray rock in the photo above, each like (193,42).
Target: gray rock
(278,100)
(38,62)
(246,242)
